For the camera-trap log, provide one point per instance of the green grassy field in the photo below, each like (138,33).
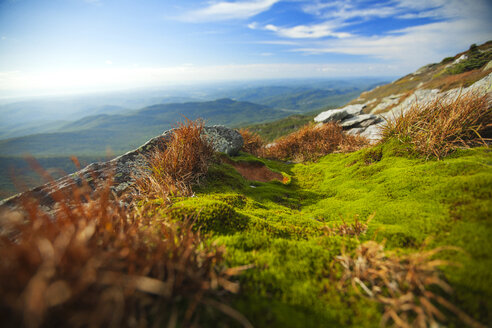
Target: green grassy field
(281,229)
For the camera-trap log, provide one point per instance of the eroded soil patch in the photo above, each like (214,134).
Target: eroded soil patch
(255,171)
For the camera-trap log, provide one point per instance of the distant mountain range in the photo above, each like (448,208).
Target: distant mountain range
(94,135)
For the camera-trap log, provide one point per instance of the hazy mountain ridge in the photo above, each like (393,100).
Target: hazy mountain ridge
(95,134)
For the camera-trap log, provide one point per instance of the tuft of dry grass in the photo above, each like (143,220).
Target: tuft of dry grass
(184,161)
(253,143)
(354,229)
(312,142)
(444,125)
(405,285)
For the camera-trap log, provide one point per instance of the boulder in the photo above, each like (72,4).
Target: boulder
(223,139)
(336,115)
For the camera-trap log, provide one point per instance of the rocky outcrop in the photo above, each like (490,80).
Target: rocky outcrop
(360,121)
(386,102)
(369,125)
(350,118)
(123,170)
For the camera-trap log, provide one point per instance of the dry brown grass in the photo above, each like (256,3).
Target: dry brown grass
(403,285)
(446,82)
(253,143)
(312,142)
(444,125)
(94,261)
(184,161)
(354,229)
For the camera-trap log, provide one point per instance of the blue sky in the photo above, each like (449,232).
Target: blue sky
(56,46)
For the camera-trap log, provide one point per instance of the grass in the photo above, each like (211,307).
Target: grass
(183,162)
(93,263)
(444,125)
(434,76)
(475,59)
(313,247)
(403,284)
(253,143)
(312,142)
(294,234)
(276,129)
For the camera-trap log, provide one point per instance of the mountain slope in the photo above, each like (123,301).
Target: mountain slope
(462,70)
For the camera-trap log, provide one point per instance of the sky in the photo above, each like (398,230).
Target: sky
(61,46)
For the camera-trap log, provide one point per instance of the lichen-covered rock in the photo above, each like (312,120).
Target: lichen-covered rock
(223,139)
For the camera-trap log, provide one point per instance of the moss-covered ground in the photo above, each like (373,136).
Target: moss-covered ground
(283,229)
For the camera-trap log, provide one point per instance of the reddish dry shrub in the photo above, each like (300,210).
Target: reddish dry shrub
(253,143)
(92,262)
(184,161)
(312,142)
(444,125)
(405,285)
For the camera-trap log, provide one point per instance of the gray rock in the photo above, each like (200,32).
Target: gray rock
(223,139)
(363,120)
(386,102)
(354,109)
(336,115)
(355,131)
(373,132)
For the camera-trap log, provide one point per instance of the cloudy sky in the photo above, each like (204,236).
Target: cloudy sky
(56,46)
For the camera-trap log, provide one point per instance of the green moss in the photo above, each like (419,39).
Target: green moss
(209,214)
(281,229)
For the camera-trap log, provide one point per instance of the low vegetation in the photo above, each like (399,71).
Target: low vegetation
(312,142)
(403,284)
(444,76)
(444,125)
(253,143)
(276,129)
(183,162)
(475,59)
(360,237)
(96,264)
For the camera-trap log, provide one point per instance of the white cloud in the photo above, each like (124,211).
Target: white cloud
(225,10)
(411,47)
(109,62)
(253,25)
(315,31)
(344,10)
(3,37)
